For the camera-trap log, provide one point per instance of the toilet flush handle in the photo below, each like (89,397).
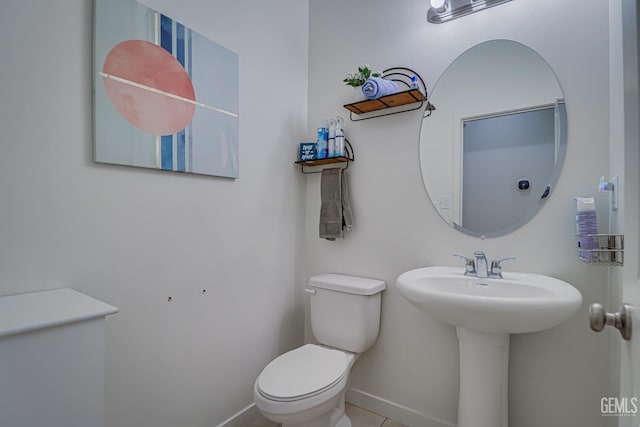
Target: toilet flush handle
(310,291)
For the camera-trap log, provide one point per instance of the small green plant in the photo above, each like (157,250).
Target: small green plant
(358,79)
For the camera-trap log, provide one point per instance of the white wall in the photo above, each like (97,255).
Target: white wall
(556,377)
(134,237)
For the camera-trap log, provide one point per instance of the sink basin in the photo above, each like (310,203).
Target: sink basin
(518,303)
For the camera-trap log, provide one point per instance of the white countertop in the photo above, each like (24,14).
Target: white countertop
(38,310)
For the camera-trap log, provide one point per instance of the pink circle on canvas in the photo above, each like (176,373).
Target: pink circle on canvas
(144,63)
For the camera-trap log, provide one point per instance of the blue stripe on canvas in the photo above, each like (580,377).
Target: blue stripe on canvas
(166,141)
(180,42)
(166,152)
(180,51)
(181,151)
(165,33)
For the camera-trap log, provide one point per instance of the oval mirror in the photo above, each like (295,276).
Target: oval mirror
(492,151)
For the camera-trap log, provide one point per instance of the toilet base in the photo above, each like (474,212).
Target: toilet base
(344,421)
(337,418)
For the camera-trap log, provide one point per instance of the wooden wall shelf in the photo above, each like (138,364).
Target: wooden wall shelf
(321,162)
(330,161)
(410,97)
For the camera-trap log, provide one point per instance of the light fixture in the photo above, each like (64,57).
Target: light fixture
(446,10)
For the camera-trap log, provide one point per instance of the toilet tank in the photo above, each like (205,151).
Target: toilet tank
(345,311)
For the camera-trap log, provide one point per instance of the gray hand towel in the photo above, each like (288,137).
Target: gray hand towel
(331,208)
(347,214)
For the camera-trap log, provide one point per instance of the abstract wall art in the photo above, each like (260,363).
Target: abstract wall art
(165,97)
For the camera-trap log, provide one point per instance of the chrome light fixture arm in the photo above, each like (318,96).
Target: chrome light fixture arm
(447,10)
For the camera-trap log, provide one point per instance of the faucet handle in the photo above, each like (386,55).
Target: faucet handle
(469,265)
(496,266)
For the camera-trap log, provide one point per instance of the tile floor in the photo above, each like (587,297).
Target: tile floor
(358,416)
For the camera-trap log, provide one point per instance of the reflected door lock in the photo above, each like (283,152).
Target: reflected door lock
(524,184)
(599,318)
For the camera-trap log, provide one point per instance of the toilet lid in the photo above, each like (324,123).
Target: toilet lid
(304,371)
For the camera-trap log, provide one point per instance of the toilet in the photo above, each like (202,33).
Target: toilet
(306,387)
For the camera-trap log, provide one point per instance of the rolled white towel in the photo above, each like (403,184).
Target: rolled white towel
(375,87)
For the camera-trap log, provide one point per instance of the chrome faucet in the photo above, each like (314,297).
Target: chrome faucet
(480,266)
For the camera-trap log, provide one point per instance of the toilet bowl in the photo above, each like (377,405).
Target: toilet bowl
(306,387)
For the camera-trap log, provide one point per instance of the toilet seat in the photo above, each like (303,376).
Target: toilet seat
(302,373)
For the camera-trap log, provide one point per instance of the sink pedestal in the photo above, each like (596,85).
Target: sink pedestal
(484,379)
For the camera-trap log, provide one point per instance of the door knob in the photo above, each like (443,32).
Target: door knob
(599,318)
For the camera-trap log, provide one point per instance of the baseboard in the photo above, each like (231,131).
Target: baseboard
(395,411)
(243,418)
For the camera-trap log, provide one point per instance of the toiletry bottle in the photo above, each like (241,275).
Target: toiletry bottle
(331,152)
(414,82)
(339,137)
(323,140)
(587,228)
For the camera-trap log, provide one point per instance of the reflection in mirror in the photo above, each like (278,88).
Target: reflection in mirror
(492,152)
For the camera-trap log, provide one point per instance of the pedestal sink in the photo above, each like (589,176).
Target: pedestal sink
(485,312)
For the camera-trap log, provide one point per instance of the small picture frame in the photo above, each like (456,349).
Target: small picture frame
(307,151)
